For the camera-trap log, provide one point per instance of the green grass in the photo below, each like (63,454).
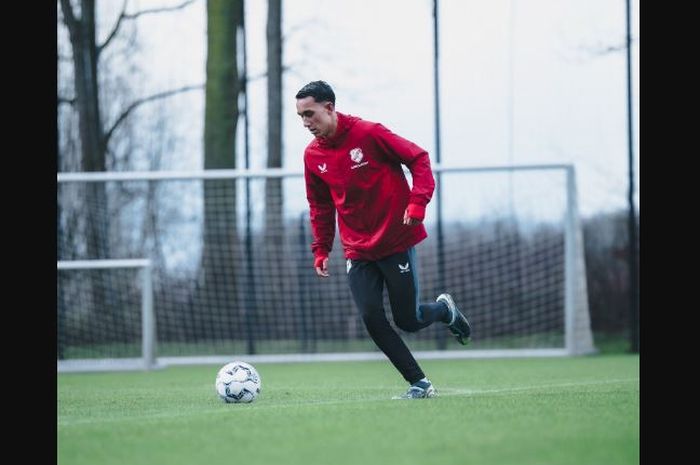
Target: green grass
(612,343)
(582,410)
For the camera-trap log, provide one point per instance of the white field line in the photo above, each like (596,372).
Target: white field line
(256,406)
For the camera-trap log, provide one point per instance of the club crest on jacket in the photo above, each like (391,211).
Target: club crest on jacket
(356,155)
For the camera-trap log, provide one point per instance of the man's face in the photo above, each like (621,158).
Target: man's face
(316,116)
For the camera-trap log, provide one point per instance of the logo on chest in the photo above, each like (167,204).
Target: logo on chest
(356,155)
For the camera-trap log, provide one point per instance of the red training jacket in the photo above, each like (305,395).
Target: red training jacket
(357,173)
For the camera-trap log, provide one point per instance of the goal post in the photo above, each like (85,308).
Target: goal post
(230,275)
(148,321)
(579,337)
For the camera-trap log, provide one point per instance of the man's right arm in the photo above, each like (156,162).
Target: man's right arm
(322,216)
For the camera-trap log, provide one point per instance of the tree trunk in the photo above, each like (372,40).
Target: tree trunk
(83,42)
(274,235)
(217,284)
(82,37)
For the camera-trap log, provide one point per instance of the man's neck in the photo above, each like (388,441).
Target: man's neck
(334,126)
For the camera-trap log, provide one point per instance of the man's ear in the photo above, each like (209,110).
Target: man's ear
(330,106)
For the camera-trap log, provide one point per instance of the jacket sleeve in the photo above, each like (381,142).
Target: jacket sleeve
(321,213)
(417,161)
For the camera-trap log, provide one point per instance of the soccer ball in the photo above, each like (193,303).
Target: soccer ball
(238,382)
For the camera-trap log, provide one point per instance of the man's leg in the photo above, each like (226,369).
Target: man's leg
(401,275)
(367,286)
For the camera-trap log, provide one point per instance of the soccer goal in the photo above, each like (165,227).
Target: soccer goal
(230,269)
(121,329)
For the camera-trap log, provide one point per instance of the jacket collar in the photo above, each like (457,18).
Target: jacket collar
(345,123)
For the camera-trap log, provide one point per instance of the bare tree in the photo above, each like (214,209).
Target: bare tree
(217,279)
(86,54)
(274,222)
(93,219)
(92,143)
(94,135)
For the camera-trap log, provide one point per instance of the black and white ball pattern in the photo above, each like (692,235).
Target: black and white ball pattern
(238,382)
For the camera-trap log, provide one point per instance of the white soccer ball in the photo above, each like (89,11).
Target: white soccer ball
(238,382)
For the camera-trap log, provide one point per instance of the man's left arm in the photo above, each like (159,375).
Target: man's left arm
(418,163)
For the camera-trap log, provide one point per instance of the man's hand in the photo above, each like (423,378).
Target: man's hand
(321,265)
(413,215)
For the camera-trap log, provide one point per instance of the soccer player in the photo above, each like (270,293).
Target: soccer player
(352,167)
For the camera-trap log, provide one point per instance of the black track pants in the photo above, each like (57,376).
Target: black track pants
(398,272)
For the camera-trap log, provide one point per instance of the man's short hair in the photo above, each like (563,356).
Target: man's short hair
(319,90)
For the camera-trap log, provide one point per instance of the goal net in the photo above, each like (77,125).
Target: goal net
(230,268)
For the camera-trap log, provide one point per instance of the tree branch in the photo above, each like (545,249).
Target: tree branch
(613,49)
(159,10)
(114,30)
(136,104)
(69,101)
(124,15)
(604,50)
(69,17)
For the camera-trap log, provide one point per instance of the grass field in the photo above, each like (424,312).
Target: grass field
(568,411)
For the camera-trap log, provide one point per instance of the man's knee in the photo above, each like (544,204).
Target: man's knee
(373,317)
(408,325)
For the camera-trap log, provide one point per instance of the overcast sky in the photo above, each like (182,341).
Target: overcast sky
(522,81)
